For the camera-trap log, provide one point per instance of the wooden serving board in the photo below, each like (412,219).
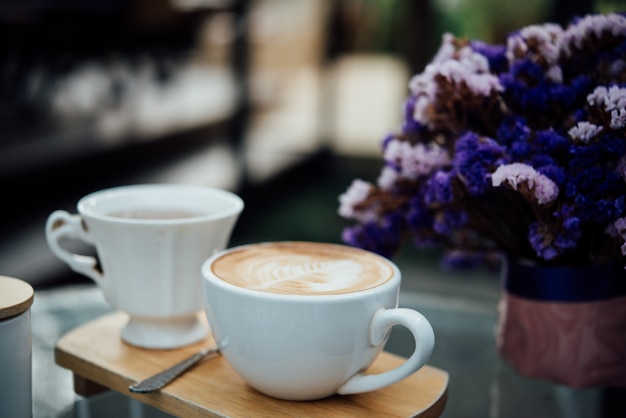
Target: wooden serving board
(95,353)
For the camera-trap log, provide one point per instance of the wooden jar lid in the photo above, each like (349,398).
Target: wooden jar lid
(16,296)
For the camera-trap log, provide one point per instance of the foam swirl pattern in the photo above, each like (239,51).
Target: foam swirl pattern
(302,268)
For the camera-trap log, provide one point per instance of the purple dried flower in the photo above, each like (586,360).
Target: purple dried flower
(538,43)
(584,131)
(529,90)
(554,172)
(416,160)
(519,148)
(456,66)
(438,189)
(380,237)
(388,178)
(475,157)
(419,215)
(541,241)
(613,101)
(349,202)
(495,54)
(449,220)
(550,143)
(591,26)
(569,232)
(515,174)
(410,125)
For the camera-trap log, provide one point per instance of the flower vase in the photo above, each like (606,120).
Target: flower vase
(566,325)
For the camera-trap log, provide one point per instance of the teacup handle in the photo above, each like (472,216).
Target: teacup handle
(381,323)
(62,224)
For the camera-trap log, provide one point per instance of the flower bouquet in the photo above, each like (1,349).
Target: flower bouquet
(517,150)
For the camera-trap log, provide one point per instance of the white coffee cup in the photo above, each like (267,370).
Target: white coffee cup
(151,241)
(292,334)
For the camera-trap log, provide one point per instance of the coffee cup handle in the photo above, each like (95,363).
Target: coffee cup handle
(381,323)
(61,224)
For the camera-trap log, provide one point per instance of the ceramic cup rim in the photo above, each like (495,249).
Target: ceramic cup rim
(210,279)
(86,204)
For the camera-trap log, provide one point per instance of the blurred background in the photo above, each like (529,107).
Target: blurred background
(283,102)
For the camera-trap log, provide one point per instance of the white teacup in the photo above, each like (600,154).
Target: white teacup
(151,241)
(303,321)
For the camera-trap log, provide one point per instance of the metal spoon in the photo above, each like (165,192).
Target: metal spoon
(163,378)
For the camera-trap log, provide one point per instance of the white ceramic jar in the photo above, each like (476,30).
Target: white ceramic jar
(16,398)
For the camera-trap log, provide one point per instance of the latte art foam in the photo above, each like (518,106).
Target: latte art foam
(302,268)
(314,276)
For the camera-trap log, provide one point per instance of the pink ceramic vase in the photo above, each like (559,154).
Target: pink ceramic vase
(565,325)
